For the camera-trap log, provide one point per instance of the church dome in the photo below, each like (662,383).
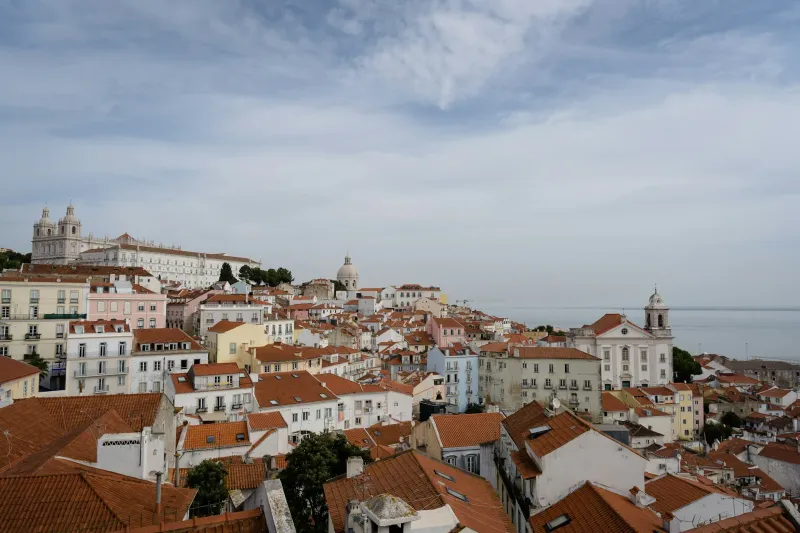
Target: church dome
(70,214)
(347,270)
(656,301)
(45,220)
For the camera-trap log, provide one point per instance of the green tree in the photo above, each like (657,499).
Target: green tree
(246,273)
(35,360)
(473,408)
(731,419)
(12,260)
(684,366)
(318,458)
(226,273)
(283,276)
(209,479)
(338,285)
(714,432)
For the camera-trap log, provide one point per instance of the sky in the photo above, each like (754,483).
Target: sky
(536,152)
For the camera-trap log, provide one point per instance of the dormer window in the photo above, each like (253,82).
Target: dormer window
(79,329)
(144,347)
(159,347)
(99,329)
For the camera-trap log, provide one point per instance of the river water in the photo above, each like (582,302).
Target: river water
(735,332)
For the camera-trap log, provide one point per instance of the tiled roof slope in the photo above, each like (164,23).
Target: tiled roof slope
(547,352)
(456,431)
(137,410)
(11,370)
(593,509)
(781,452)
(390,433)
(760,521)
(412,476)
(85,499)
(518,424)
(612,403)
(563,428)
(252,521)
(674,492)
(224,434)
(264,421)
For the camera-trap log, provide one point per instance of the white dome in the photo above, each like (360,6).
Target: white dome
(656,301)
(347,270)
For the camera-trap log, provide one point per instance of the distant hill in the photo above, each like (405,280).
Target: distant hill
(11,260)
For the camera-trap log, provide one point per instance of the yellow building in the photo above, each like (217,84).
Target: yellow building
(34,317)
(230,342)
(17,380)
(678,404)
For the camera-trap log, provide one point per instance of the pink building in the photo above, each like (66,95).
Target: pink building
(183,309)
(300,311)
(122,300)
(446,331)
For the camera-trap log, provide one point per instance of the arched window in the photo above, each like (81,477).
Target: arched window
(647,321)
(62,230)
(74,230)
(450,459)
(625,353)
(49,232)
(37,232)
(661,321)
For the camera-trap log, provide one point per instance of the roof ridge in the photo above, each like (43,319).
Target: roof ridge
(611,508)
(85,476)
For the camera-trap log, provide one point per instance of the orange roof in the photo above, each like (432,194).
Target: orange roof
(740,468)
(673,492)
(781,452)
(525,465)
(735,445)
(415,478)
(737,378)
(163,336)
(219,435)
(251,521)
(767,484)
(605,323)
(518,424)
(612,403)
(456,431)
(244,476)
(593,509)
(81,498)
(649,411)
(359,437)
(564,428)
(289,388)
(89,326)
(341,386)
(390,434)
(277,353)
(215,369)
(12,370)
(551,352)
(137,410)
(264,421)
(447,322)
(775,393)
(224,326)
(758,521)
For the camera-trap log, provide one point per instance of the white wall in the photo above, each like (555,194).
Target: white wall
(112,360)
(786,474)
(590,456)
(151,379)
(711,508)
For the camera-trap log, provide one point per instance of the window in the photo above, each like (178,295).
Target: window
(82,350)
(102,349)
(473,464)
(566,368)
(607,354)
(126,309)
(625,353)
(644,368)
(625,368)
(201,404)
(120,380)
(548,384)
(276,368)
(152,323)
(143,366)
(319,414)
(217,380)
(140,323)
(114,306)
(663,373)
(294,365)
(232,348)
(587,384)
(306,416)
(562,383)
(121,366)
(229,380)
(246,397)
(294,417)
(101,307)
(156,366)
(142,387)
(184,364)
(573,384)
(328,412)
(123,348)
(6,295)
(140,307)
(551,369)
(156,386)
(153,307)
(663,359)
(643,355)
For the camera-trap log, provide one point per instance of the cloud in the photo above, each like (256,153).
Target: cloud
(558,152)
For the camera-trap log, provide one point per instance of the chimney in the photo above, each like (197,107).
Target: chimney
(670,523)
(640,498)
(355,466)
(158,495)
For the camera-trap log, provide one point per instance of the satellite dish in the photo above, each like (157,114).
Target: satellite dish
(556,403)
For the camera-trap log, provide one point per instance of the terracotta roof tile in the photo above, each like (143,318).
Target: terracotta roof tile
(286,388)
(89,326)
(525,465)
(494,347)
(214,369)
(564,428)
(740,468)
(612,403)
(244,476)
(219,435)
(781,452)
(164,335)
(593,509)
(457,431)
(251,521)
(674,492)
(264,421)
(12,370)
(137,410)
(390,434)
(518,424)
(549,352)
(85,499)
(359,437)
(759,521)
(224,326)
(412,477)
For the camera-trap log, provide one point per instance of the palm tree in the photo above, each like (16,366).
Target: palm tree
(35,360)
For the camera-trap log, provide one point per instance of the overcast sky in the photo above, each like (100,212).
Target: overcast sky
(553,152)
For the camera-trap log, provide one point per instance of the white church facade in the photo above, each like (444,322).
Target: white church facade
(62,242)
(631,356)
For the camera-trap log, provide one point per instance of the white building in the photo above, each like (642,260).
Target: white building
(159,352)
(404,296)
(280,327)
(348,276)
(63,243)
(233,307)
(213,392)
(98,357)
(631,356)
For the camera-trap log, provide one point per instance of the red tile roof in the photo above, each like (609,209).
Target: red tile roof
(674,492)
(286,388)
(593,509)
(781,452)
(612,403)
(225,435)
(525,465)
(759,521)
(163,335)
(12,370)
(84,499)
(564,428)
(456,431)
(224,326)
(390,434)
(215,369)
(252,521)
(412,477)
(264,421)
(550,352)
(518,424)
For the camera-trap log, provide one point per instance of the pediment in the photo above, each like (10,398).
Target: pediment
(632,331)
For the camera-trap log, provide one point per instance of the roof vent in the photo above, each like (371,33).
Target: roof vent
(210,439)
(538,431)
(239,437)
(273,402)
(298,399)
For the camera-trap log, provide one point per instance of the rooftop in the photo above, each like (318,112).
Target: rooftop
(550,352)
(456,431)
(219,435)
(12,370)
(675,492)
(290,388)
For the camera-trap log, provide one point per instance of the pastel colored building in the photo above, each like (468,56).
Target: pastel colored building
(122,300)
(230,342)
(446,331)
(183,309)
(460,370)
(17,380)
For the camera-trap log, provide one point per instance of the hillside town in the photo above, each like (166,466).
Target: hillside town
(148,388)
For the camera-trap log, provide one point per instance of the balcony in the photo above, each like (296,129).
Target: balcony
(573,386)
(96,373)
(236,406)
(512,488)
(548,386)
(6,337)
(33,336)
(59,335)
(101,390)
(64,316)
(219,408)
(201,410)
(6,300)
(34,299)
(585,387)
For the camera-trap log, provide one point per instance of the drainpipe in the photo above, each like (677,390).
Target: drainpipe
(158,495)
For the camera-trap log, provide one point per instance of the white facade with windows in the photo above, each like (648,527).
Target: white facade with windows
(98,358)
(213,312)
(631,356)
(279,329)
(460,372)
(224,396)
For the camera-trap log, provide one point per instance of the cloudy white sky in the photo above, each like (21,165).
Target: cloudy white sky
(555,152)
